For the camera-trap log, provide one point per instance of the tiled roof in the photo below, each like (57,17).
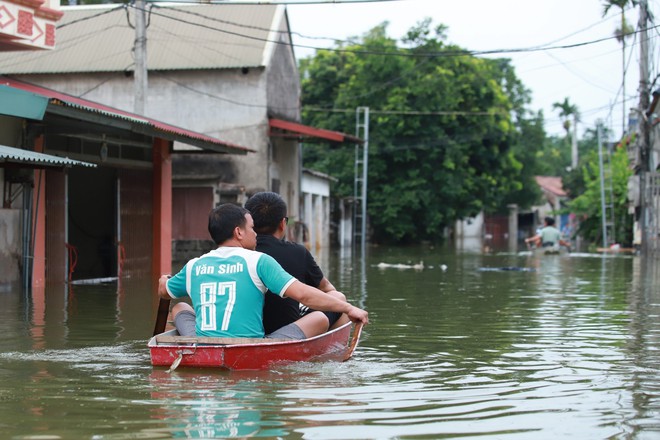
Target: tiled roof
(552,185)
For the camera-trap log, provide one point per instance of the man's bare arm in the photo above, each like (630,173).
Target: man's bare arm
(318,300)
(326,286)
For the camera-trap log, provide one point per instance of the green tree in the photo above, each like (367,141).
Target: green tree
(443,145)
(588,204)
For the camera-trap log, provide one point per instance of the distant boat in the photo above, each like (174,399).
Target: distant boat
(550,250)
(172,350)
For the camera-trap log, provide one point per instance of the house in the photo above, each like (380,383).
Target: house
(316,208)
(86,188)
(494,231)
(553,194)
(227,71)
(643,146)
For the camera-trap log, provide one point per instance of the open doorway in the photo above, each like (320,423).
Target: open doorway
(92,223)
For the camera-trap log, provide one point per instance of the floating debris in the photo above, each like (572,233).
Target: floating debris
(507,268)
(418,266)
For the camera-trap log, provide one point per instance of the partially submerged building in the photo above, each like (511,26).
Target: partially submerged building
(227,71)
(87,188)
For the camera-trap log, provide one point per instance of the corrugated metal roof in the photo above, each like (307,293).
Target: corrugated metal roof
(99,38)
(16,155)
(151,126)
(319,174)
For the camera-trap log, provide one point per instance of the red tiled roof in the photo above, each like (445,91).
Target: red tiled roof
(551,184)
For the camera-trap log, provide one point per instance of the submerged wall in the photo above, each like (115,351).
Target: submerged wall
(10,245)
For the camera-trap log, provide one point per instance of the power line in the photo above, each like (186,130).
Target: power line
(402,51)
(281,2)
(448,53)
(408,112)
(60,26)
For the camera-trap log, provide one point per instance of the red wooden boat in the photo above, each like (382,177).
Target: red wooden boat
(172,350)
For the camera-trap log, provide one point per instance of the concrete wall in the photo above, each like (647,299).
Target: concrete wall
(232,105)
(10,131)
(10,219)
(282,77)
(316,210)
(10,245)
(345,232)
(470,228)
(227,104)
(469,234)
(283,98)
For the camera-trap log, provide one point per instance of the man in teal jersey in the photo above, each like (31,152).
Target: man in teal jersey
(548,236)
(227,286)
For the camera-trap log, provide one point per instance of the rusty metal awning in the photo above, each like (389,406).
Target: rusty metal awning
(31,158)
(287,129)
(79,108)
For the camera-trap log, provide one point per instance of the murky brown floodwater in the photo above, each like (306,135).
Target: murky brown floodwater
(567,348)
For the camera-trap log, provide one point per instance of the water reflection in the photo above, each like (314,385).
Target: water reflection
(563,347)
(212,405)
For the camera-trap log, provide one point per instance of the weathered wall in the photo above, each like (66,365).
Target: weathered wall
(10,245)
(283,94)
(226,104)
(316,210)
(282,77)
(10,219)
(10,131)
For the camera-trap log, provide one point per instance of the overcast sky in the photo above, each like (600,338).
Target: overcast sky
(590,75)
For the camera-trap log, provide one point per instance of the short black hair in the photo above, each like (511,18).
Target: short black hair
(224,219)
(549,221)
(267,209)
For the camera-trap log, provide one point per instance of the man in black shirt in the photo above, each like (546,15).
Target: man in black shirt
(269,212)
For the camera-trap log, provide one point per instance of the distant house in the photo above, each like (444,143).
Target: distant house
(553,193)
(227,71)
(316,208)
(492,231)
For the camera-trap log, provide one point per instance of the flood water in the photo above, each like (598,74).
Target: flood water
(472,346)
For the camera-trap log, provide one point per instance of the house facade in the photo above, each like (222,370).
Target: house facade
(227,71)
(87,189)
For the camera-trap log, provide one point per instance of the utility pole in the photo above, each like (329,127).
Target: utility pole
(140,53)
(623,81)
(644,138)
(574,143)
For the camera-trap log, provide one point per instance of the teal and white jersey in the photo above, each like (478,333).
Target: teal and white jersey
(227,288)
(550,234)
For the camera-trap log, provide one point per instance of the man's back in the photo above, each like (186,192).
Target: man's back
(297,261)
(225,286)
(550,234)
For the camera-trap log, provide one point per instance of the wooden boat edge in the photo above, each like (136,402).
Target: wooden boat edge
(187,340)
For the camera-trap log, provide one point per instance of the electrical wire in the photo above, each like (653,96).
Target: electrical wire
(282,2)
(544,47)
(402,52)
(60,26)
